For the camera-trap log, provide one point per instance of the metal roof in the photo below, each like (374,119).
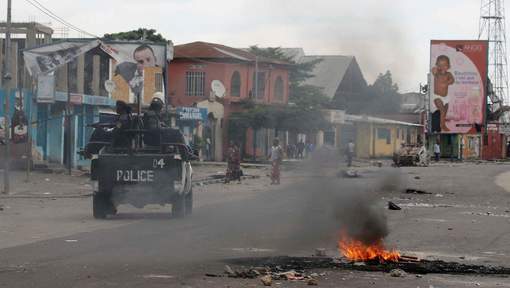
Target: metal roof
(205,50)
(377,120)
(329,72)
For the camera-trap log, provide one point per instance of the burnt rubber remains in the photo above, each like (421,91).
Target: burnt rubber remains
(285,263)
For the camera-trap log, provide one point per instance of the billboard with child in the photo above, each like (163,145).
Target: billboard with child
(458,85)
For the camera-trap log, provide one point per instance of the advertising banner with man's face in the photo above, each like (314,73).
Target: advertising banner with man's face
(138,67)
(458,85)
(136,70)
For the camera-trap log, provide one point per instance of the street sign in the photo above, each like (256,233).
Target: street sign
(76,99)
(192,113)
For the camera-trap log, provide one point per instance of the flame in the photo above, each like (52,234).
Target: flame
(355,250)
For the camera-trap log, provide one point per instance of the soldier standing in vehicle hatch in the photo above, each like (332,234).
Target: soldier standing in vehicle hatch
(123,122)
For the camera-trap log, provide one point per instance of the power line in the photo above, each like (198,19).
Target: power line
(48,12)
(52,15)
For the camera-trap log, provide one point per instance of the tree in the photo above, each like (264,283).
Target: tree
(306,100)
(299,93)
(137,35)
(383,95)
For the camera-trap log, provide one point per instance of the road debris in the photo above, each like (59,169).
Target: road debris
(416,191)
(229,271)
(397,273)
(393,206)
(350,173)
(312,282)
(267,280)
(422,266)
(156,276)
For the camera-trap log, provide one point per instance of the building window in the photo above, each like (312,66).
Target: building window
(159,82)
(195,84)
(261,84)
(384,134)
(278,89)
(235,85)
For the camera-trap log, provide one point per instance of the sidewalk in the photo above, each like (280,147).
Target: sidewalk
(46,184)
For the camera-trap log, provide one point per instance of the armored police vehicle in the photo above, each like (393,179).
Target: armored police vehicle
(138,161)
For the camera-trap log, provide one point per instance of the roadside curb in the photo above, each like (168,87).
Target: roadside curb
(220,180)
(195,183)
(224,164)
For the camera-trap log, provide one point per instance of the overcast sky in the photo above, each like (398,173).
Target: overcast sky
(383,34)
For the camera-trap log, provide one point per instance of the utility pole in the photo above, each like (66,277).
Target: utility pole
(7,79)
(256,98)
(68,122)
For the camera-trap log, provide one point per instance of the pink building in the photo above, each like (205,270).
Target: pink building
(197,64)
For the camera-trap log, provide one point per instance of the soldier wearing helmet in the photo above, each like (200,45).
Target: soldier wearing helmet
(152,122)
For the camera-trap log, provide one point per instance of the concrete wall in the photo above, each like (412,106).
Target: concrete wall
(371,142)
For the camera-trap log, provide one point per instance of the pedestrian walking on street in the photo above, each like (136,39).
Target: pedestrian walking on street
(350,152)
(437,151)
(309,149)
(300,149)
(208,149)
(276,160)
(233,163)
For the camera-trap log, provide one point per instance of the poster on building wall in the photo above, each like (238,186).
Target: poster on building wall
(138,67)
(138,70)
(458,85)
(46,59)
(46,88)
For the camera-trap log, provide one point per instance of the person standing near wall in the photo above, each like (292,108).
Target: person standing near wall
(350,152)
(437,151)
(233,163)
(276,160)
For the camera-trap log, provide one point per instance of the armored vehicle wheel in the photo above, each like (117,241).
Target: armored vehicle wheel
(179,206)
(189,202)
(100,206)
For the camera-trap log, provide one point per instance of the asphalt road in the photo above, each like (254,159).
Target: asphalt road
(466,219)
